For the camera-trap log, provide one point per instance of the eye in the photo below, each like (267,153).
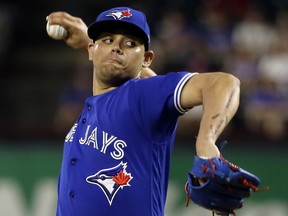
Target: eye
(130,43)
(107,40)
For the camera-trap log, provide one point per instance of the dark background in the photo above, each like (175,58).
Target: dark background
(36,71)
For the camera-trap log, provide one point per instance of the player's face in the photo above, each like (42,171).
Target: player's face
(118,57)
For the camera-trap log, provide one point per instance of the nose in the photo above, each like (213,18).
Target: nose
(117,49)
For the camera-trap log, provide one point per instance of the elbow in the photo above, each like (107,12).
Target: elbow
(227,79)
(231,85)
(223,83)
(235,81)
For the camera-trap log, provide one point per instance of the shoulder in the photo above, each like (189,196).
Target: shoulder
(161,84)
(172,77)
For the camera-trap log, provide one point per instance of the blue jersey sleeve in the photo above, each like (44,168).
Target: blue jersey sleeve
(158,101)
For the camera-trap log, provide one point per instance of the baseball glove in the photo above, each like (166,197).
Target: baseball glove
(218,185)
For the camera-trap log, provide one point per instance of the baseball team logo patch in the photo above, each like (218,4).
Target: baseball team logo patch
(110,180)
(118,15)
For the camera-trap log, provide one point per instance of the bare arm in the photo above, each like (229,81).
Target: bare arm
(219,95)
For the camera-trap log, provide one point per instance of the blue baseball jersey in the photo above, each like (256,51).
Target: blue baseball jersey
(117,155)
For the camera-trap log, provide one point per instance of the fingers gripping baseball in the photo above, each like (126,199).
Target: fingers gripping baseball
(76,30)
(56,32)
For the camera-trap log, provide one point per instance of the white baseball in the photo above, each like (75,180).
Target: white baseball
(56,32)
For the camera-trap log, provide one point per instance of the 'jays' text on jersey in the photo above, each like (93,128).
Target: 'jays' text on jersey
(117,155)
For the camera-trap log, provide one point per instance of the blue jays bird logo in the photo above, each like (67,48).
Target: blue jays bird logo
(111,180)
(118,15)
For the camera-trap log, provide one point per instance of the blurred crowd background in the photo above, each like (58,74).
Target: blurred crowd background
(44,82)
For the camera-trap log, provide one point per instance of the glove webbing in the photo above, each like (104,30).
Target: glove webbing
(234,168)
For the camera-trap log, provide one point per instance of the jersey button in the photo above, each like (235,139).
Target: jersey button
(72,194)
(89,107)
(74,162)
(84,120)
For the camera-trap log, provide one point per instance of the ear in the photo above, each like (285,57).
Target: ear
(148,58)
(90,49)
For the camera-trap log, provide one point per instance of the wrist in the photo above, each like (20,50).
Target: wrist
(207,149)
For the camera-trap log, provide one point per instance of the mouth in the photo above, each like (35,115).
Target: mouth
(114,59)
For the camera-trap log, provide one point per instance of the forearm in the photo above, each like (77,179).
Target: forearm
(220,103)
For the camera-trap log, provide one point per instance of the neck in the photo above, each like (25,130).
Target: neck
(98,91)
(101,86)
